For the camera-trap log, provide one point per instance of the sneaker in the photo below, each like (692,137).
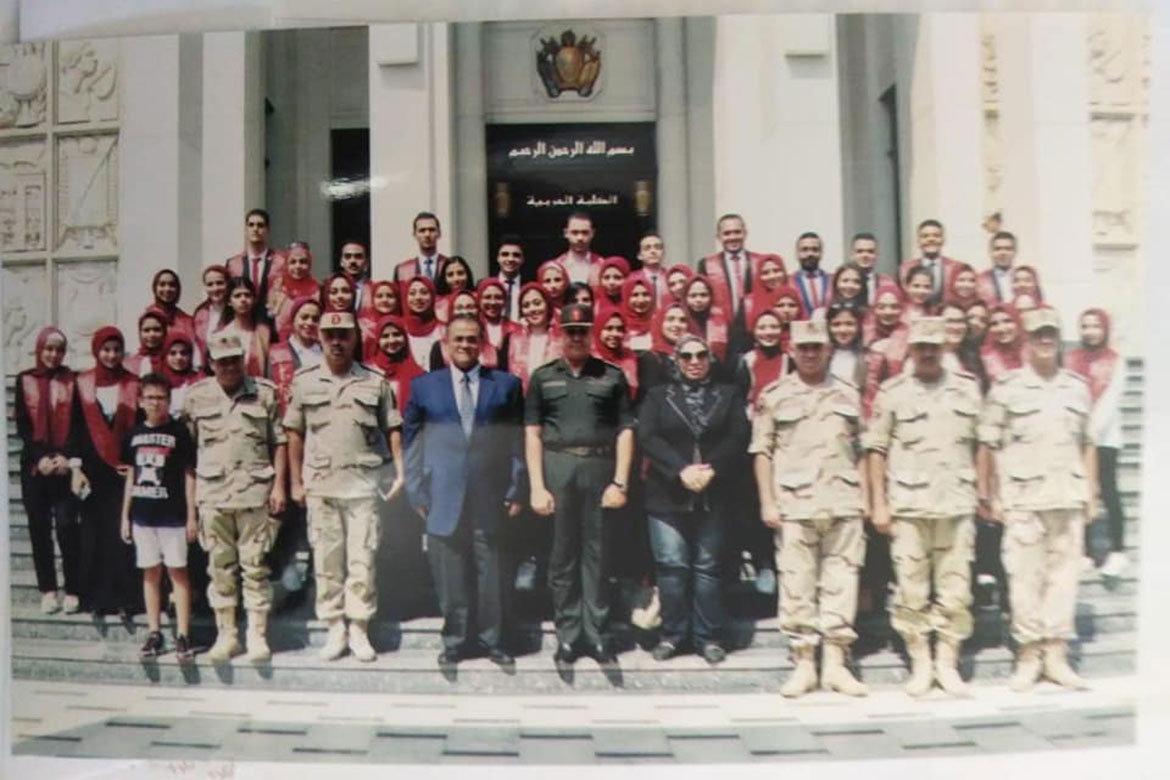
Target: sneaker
(1115,565)
(49,602)
(72,604)
(663,651)
(766,582)
(183,652)
(153,646)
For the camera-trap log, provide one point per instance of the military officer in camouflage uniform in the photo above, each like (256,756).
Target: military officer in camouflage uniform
(345,451)
(239,489)
(812,491)
(579,444)
(921,443)
(1038,475)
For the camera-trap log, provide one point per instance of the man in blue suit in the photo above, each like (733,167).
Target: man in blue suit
(811,282)
(464,472)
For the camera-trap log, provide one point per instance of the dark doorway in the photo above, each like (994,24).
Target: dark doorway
(349,188)
(539,174)
(889,101)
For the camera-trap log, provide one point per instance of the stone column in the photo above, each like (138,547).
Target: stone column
(777,130)
(158,170)
(410,137)
(1047,165)
(942,159)
(674,202)
(233,140)
(470,221)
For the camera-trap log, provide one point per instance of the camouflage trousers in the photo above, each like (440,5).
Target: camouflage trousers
(344,535)
(932,553)
(1042,555)
(237,540)
(818,561)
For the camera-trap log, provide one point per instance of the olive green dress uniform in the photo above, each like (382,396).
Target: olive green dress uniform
(811,434)
(235,437)
(580,418)
(344,420)
(1039,428)
(928,434)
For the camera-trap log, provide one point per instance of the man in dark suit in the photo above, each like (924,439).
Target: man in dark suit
(995,284)
(429,261)
(464,472)
(811,282)
(259,262)
(733,270)
(942,269)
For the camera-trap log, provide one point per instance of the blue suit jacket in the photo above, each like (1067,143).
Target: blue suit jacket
(455,477)
(804,287)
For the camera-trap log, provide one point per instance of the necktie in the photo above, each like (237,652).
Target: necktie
(257,264)
(466,405)
(811,280)
(508,312)
(427,269)
(654,288)
(736,282)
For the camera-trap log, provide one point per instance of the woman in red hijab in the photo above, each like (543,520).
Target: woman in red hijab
(385,301)
(1026,281)
(886,339)
(1104,369)
(610,344)
(638,313)
(610,278)
(338,293)
(42,406)
(393,358)
(245,322)
(767,361)
(179,367)
(104,411)
(552,276)
(708,321)
(657,365)
(465,303)
(166,289)
(771,281)
(1003,346)
(964,288)
(152,333)
(208,314)
(538,341)
(301,349)
(294,283)
(677,277)
(422,326)
(491,296)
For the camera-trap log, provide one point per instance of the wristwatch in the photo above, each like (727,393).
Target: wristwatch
(619,485)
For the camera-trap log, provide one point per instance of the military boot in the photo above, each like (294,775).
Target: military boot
(227,644)
(835,675)
(921,675)
(1056,666)
(804,676)
(1027,667)
(359,641)
(257,637)
(945,662)
(335,641)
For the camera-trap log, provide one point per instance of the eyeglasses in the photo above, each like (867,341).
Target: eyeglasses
(689,356)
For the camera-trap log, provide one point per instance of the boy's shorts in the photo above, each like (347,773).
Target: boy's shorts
(155,545)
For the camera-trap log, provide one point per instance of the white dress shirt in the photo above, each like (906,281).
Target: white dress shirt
(577,267)
(457,383)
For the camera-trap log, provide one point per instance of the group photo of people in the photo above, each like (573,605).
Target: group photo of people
(923,443)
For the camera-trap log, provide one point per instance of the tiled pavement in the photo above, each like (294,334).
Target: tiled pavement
(120,721)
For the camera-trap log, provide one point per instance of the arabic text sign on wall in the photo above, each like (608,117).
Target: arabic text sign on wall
(592,200)
(595,149)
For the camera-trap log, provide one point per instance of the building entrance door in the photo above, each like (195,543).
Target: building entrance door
(539,174)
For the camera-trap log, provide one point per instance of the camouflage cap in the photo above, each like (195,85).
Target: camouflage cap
(577,315)
(337,320)
(809,332)
(1042,317)
(225,345)
(927,330)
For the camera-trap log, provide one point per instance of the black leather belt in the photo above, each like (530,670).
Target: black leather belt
(585,452)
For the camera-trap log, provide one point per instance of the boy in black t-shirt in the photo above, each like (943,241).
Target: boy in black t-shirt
(158,509)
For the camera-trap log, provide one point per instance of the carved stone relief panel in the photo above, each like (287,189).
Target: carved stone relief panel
(993,166)
(86,300)
(24,78)
(1114,60)
(24,313)
(87,193)
(989,77)
(1115,181)
(87,81)
(23,195)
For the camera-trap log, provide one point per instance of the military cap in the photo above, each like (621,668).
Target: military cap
(1042,317)
(337,320)
(577,315)
(225,345)
(927,330)
(809,332)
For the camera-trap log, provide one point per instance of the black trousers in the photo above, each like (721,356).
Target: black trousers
(51,506)
(109,577)
(578,569)
(1111,497)
(468,575)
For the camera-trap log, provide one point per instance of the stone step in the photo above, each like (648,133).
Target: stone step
(415,671)
(1106,614)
